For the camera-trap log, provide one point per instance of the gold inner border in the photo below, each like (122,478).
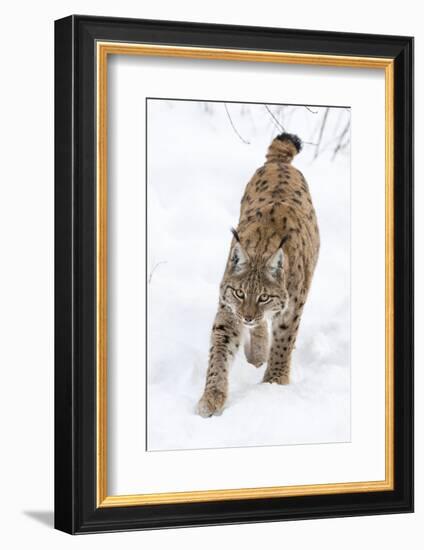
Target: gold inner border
(118,48)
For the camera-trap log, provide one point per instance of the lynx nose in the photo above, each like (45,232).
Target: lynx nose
(248,319)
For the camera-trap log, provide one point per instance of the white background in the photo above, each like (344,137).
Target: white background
(26,289)
(361,459)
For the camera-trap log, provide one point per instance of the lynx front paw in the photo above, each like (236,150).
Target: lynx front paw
(255,362)
(282,379)
(255,357)
(211,403)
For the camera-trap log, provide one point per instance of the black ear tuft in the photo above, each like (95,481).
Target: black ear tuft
(283,241)
(235,234)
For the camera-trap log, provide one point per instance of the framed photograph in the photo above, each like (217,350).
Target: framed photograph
(234,274)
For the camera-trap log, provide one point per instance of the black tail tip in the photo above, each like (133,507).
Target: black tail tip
(297,142)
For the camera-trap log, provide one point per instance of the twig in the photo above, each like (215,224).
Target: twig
(340,144)
(339,121)
(234,128)
(278,123)
(311,110)
(321,132)
(281,127)
(153,270)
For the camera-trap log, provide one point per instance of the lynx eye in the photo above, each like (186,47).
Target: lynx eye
(239,294)
(263,298)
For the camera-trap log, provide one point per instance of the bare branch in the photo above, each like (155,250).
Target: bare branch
(276,121)
(310,110)
(321,132)
(281,127)
(341,144)
(234,128)
(154,269)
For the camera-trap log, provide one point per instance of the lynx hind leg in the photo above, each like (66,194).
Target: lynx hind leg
(256,344)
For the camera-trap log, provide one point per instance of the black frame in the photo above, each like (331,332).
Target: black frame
(75,275)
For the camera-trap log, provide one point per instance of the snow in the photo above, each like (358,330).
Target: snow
(197,170)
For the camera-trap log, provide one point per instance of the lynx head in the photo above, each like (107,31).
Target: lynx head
(254,287)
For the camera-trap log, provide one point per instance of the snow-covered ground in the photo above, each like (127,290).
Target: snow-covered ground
(197,170)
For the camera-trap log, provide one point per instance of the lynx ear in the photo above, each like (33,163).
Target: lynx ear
(238,259)
(276,262)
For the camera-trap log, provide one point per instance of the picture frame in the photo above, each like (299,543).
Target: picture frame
(83,45)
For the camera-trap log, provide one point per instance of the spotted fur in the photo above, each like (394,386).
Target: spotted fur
(269,270)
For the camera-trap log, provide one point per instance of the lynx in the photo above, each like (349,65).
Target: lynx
(267,277)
